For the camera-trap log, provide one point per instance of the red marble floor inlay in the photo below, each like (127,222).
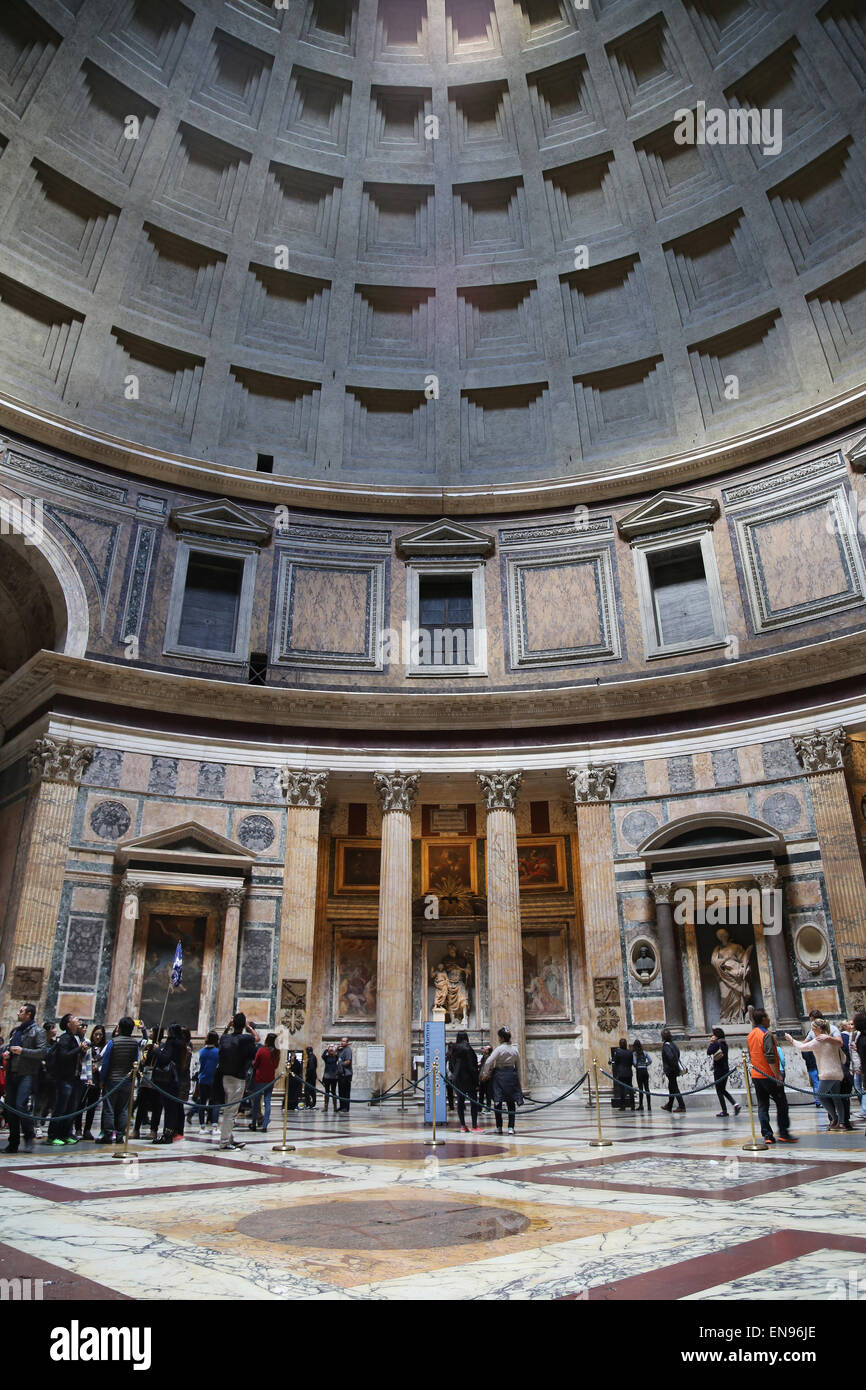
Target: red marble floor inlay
(57,1284)
(420,1151)
(414,1224)
(721,1267)
(55,1192)
(600,1173)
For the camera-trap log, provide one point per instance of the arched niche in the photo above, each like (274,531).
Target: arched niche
(714,872)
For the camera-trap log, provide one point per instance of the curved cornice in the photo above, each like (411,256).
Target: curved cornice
(202,475)
(50,674)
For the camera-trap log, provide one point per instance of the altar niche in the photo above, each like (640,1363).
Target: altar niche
(727,950)
(164,931)
(451,968)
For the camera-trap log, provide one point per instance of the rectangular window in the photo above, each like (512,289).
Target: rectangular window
(681,596)
(211,603)
(445,624)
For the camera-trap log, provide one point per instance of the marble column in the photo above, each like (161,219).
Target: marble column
(670,955)
(606,1022)
(121,964)
(779,964)
(304,792)
(225,1005)
(319,1001)
(56,769)
(822,755)
(397,792)
(506,999)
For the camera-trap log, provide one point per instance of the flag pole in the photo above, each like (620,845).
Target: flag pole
(168,990)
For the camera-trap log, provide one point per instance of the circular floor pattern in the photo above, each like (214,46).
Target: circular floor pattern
(421,1151)
(383,1225)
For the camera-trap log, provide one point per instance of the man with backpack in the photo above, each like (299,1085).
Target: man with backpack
(118,1059)
(23,1058)
(237,1051)
(64,1064)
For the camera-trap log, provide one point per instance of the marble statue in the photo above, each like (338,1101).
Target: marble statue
(732,964)
(452,978)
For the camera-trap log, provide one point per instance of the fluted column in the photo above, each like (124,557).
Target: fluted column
(56,769)
(304,793)
(504,951)
(822,756)
(592,788)
(670,955)
(397,792)
(318,1000)
(225,1005)
(121,964)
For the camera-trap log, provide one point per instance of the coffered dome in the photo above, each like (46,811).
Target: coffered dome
(427,242)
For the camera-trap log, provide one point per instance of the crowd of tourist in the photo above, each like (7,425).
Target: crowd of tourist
(835,1061)
(54,1079)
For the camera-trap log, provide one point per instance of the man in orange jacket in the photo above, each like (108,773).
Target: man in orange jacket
(767,1079)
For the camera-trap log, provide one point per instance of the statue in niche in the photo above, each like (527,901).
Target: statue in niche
(452,979)
(733,966)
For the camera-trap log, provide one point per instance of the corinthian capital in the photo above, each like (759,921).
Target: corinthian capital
(233,897)
(593,783)
(303,788)
(60,762)
(132,887)
(396,790)
(821,751)
(662,891)
(500,789)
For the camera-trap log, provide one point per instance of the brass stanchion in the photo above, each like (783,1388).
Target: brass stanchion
(754,1147)
(402,1093)
(434,1142)
(123,1151)
(600,1142)
(284,1148)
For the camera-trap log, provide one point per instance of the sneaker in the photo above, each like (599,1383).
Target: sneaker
(89,1137)
(233,1145)
(70,1140)
(10,1150)
(463,1129)
(737,1109)
(104,1139)
(54,1144)
(769,1138)
(788,1139)
(721,1114)
(511,1131)
(28,1146)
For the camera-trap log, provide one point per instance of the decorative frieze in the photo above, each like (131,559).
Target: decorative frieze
(500,789)
(821,751)
(303,788)
(397,791)
(593,783)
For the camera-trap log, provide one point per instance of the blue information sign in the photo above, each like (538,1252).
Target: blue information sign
(434,1049)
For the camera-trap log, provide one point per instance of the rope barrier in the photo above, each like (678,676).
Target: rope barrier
(71,1114)
(535,1104)
(696,1091)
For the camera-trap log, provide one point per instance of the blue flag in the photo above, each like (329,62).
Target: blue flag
(177,967)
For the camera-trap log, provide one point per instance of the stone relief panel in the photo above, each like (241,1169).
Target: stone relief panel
(256,833)
(110,820)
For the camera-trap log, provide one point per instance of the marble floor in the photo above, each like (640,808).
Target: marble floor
(364,1209)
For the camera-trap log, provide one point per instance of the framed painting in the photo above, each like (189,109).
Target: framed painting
(541,863)
(545,975)
(449,868)
(358,866)
(355,959)
(159,999)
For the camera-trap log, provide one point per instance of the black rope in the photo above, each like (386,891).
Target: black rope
(70,1114)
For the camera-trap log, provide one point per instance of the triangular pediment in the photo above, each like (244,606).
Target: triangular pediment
(224,518)
(666,511)
(857,455)
(445,537)
(190,838)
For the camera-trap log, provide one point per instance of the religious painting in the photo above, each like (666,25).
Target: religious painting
(450,969)
(449,868)
(355,978)
(358,866)
(181,1004)
(545,975)
(541,863)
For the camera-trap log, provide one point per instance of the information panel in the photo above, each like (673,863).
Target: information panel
(434,1049)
